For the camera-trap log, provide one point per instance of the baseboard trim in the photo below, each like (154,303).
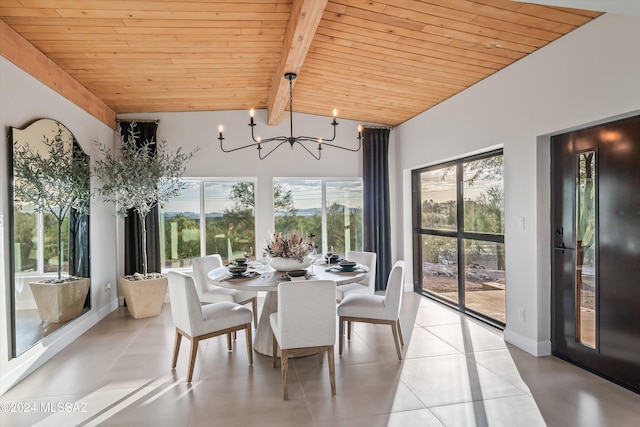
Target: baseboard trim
(536,348)
(39,354)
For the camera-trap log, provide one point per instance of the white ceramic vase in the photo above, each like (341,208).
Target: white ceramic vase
(289,264)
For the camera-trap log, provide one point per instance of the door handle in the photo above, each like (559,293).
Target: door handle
(562,247)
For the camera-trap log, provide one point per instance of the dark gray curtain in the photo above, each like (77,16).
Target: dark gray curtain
(132,242)
(376,222)
(79,263)
(78,244)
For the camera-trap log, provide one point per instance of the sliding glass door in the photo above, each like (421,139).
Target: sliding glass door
(459,234)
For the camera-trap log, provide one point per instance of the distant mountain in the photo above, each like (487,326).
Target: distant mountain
(192,215)
(314,211)
(300,212)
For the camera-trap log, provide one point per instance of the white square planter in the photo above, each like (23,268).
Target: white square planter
(144,297)
(60,302)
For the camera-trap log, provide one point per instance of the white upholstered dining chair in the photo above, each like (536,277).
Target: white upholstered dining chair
(198,322)
(209,293)
(367,285)
(305,323)
(380,309)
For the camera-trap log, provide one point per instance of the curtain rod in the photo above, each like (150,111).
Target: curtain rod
(378,127)
(138,121)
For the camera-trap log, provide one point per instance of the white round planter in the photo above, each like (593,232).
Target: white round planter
(289,264)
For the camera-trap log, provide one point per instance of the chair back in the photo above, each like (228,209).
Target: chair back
(307,313)
(368,259)
(393,294)
(185,305)
(201,267)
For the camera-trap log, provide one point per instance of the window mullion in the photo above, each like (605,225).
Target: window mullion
(460,231)
(203,220)
(325,237)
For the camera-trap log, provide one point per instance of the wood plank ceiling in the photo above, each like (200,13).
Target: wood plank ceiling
(376,61)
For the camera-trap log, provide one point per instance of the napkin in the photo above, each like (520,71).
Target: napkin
(219,273)
(298,279)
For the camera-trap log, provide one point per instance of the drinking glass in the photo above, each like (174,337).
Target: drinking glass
(265,262)
(313,256)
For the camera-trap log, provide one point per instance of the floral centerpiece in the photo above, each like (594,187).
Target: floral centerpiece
(289,251)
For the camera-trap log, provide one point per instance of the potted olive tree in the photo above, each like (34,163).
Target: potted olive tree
(137,176)
(54,180)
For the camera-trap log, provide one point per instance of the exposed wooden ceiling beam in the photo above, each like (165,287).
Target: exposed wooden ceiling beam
(303,23)
(24,55)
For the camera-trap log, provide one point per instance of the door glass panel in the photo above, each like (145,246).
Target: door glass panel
(484,195)
(180,228)
(229,208)
(484,276)
(586,249)
(344,215)
(440,266)
(301,208)
(438,198)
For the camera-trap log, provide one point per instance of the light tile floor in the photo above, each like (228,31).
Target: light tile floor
(456,372)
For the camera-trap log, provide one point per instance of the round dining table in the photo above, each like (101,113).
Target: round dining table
(266,279)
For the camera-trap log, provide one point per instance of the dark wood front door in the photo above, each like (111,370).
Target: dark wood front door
(596,249)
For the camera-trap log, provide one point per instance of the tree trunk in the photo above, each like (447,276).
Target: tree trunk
(143,240)
(59,249)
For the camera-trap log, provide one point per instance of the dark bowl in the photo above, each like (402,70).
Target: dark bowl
(297,273)
(333,258)
(237,269)
(347,265)
(241,261)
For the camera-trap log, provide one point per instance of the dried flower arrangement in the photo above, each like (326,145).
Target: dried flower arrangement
(296,244)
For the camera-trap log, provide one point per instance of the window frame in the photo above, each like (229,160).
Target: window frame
(323,182)
(459,233)
(202,218)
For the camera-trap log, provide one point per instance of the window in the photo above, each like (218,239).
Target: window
(209,217)
(329,208)
(36,241)
(459,225)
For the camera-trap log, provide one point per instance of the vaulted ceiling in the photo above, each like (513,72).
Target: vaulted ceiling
(376,61)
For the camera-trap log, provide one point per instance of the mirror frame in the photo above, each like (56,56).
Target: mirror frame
(11,216)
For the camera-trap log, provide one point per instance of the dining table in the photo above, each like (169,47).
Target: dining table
(264,278)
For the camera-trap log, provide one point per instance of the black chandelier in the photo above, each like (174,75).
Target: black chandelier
(257,142)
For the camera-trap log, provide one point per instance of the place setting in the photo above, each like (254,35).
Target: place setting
(346,266)
(239,269)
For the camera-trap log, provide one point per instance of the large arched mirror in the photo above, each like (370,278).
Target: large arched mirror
(49,187)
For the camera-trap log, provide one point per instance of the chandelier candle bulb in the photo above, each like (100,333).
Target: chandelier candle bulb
(302,141)
(220,129)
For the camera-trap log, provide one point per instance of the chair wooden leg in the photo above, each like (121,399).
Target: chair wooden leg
(395,339)
(235,335)
(229,341)
(176,348)
(247,333)
(349,330)
(341,333)
(284,363)
(192,359)
(254,307)
(321,356)
(274,351)
(332,369)
(400,332)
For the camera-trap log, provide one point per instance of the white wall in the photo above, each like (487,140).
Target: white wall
(588,76)
(200,129)
(23,100)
